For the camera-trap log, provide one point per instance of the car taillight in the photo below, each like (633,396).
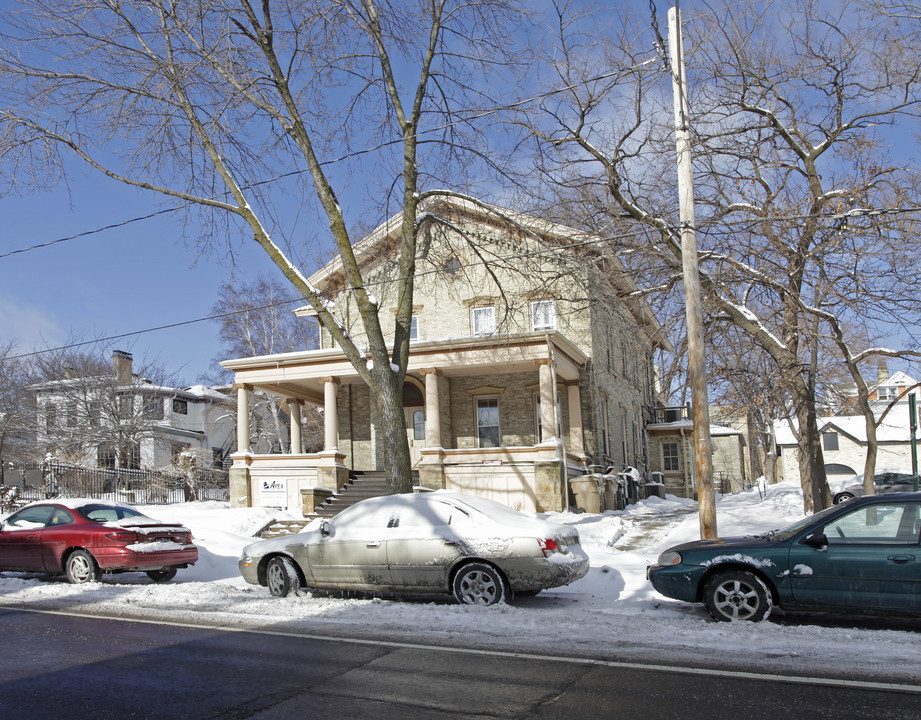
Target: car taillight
(122,536)
(548,546)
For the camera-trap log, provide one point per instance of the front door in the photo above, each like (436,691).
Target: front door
(415,432)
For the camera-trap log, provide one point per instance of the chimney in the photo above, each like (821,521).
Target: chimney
(121,364)
(882,372)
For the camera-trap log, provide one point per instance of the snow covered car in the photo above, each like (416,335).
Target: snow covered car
(84,538)
(441,542)
(884,483)
(862,556)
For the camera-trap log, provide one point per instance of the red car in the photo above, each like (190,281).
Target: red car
(84,538)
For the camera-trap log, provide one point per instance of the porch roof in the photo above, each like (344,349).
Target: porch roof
(301,374)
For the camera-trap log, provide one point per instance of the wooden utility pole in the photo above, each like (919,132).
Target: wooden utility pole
(700,410)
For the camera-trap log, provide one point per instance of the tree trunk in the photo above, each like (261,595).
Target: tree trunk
(397,460)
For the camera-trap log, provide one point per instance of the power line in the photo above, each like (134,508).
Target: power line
(475,115)
(517,256)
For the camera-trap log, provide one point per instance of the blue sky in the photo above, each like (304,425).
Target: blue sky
(131,278)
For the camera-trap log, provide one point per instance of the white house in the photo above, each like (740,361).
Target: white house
(844,437)
(124,420)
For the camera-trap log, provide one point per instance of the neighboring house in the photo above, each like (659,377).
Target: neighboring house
(844,437)
(126,421)
(671,430)
(532,361)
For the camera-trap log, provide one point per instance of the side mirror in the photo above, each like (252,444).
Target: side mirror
(326,528)
(817,540)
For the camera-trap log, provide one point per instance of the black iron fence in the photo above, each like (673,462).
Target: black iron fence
(44,480)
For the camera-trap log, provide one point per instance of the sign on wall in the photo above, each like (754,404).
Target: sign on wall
(274,494)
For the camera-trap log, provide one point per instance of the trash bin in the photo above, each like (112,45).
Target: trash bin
(588,491)
(654,489)
(613,493)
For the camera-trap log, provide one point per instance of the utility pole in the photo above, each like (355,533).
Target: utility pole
(700,409)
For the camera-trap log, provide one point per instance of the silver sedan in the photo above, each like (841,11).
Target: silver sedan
(441,542)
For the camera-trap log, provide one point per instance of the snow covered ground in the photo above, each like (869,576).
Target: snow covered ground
(612,613)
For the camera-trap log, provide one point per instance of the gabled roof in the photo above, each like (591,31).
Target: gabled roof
(379,242)
(895,428)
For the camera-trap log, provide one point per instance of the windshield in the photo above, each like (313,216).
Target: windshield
(107,513)
(796,527)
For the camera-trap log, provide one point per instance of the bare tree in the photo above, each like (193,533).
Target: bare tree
(806,216)
(16,406)
(257,318)
(90,409)
(204,102)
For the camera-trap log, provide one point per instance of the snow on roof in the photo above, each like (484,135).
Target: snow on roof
(894,428)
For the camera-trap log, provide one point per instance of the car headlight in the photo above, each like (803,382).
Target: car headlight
(669,557)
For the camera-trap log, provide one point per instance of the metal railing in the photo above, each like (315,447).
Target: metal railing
(44,480)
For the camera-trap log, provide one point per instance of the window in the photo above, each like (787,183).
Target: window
(93,412)
(603,425)
(418,425)
(125,407)
(51,416)
(891,524)
(484,320)
(890,392)
(830,441)
(414,328)
(543,315)
(452,266)
(105,456)
(153,408)
(181,407)
(487,422)
(670,457)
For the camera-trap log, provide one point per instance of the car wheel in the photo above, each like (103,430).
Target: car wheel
(737,595)
(80,567)
(841,497)
(479,584)
(162,576)
(281,576)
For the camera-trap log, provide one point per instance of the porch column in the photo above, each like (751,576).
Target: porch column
(243,419)
(431,467)
(576,440)
(294,410)
(330,413)
(548,421)
(432,408)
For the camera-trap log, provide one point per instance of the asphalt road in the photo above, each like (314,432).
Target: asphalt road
(64,667)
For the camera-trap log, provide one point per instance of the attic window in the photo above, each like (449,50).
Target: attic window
(452,266)
(830,441)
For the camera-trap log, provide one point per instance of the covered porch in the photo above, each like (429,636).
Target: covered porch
(533,377)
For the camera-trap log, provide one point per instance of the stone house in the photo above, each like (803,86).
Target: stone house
(519,325)
(670,431)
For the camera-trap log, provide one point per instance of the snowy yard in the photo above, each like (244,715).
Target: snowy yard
(612,612)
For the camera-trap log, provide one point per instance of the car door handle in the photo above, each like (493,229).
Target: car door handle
(374,544)
(450,542)
(901,559)
(31,537)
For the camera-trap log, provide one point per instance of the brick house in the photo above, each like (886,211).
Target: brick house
(519,325)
